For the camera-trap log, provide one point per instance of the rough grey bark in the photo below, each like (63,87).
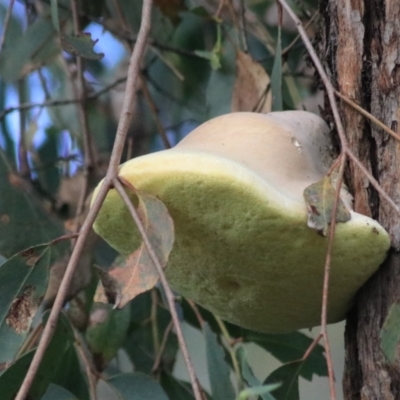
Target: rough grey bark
(361,50)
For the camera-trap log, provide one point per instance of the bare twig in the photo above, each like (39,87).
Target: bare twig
(168,292)
(80,94)
(163,345)
(22,152)
(168,63)
(86,227)
(242,25)
(63,102)
(311,347)
(91,373)
(231,351)
(6,23)
(196,312)
(369,116)
(373,181)
(154,111)
(327,268)
(294,41)
(153,318)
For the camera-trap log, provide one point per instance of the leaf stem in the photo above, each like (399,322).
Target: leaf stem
(231,350)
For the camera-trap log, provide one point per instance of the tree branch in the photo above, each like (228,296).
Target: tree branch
(129,99)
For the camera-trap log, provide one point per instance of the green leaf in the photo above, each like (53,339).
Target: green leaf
(221,83)
(23,283)
(276,76)
(214,56)
(218,369)
(29,51)
(390,334)
(137,272)
(175,388)
(263,391)
(250,378)
(137,386)
(70,376)
(80,45)
(288,376)
(46,166)
(320,199)
(54,15)
(290,347)
(140,344)
(11,379)
(23,220)
(107,332)
(57,392)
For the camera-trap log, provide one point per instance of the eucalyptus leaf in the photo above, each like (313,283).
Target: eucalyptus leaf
(218,369)
(249,377)
(290,347)
(287,376)
(11,379)
(57,392)
(23,283)
(137,386)
(23,220)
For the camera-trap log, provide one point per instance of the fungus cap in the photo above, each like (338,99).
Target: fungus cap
(234,188)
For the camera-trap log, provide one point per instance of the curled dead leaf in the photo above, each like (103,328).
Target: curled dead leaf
(252,86)
(137,272)
(320,199)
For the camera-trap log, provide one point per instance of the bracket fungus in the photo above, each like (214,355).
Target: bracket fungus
(243,250)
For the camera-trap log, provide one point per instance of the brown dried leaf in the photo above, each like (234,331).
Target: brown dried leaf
(171,8)
(137,273)
(252,87)
(320,199)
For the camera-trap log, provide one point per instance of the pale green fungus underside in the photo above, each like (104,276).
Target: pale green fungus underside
(243,249)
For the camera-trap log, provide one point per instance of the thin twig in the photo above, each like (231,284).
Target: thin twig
(154,111)
(168,292)
(373,181)
(153,318)
(196,312)
(62,102)
(6,23)
(161,350)
(24,169)
(231,351)
(129,99)
(242,25)
(168,63)
(369,116)
(327,268)
(80,94)
(311,347)
(91,373)
(294,41)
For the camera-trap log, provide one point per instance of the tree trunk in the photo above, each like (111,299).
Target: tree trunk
(361,51)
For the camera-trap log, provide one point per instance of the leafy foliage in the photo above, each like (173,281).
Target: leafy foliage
(200,63)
